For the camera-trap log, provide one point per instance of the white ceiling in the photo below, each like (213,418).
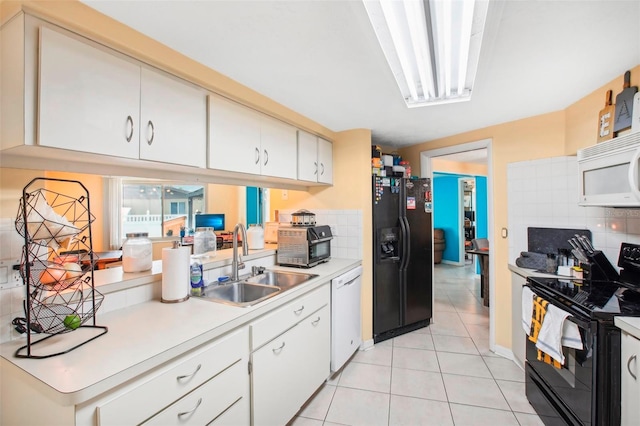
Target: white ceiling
(321,58)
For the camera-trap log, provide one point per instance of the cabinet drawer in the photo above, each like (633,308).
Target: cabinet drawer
(157,390)
(210,401)
(280,320)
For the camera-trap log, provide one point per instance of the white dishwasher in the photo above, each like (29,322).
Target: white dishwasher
(346,318)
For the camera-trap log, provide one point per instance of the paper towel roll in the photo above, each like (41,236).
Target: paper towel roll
(175,274)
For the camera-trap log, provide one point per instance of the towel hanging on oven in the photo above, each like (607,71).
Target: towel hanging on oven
(538,315)
(557,331)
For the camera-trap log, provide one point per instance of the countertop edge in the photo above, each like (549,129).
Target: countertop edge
(66,395)
(630,325)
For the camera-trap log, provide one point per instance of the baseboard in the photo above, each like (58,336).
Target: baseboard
(507,353)
(366,345)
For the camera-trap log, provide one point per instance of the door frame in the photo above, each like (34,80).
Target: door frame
(426,170)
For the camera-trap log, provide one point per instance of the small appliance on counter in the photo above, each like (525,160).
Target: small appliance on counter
(303,218)
(304,246)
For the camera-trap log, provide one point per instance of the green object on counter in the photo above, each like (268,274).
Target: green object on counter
(72,322)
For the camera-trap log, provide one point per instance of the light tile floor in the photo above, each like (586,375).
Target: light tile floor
(440,375)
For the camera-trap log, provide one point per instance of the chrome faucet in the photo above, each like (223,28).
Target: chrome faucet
(237,262)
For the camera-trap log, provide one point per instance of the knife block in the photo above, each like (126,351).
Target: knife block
(599,268)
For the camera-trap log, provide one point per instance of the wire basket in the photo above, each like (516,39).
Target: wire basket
(57,260)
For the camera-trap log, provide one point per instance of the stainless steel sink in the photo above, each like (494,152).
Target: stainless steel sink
(240,293)
(281,279)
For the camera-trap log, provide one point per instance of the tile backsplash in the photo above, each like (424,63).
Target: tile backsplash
(545,193)
(346,227)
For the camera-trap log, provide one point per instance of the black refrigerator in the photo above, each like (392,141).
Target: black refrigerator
(403,256)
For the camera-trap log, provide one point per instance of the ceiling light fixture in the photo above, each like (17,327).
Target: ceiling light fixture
(432,46)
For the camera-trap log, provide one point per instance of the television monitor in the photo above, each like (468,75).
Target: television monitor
(210,220)
(469,215)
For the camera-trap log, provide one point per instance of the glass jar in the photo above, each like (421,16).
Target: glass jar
(137,253)
(204,241)
(255,237)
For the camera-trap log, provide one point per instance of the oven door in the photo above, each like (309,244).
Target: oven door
(566,390)
(319,251)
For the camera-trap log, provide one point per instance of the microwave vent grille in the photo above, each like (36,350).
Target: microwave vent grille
(621,142)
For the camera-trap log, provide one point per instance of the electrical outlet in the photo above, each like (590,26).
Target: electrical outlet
(9,274)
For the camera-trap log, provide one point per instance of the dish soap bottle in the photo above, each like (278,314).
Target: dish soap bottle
(197,284)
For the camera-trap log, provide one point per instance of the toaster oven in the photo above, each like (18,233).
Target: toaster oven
(304,246)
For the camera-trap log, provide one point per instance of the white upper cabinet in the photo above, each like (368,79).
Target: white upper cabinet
(246,141)
(315,158)
(234,136)
(96,102)
(325,161)
(173,125)
(278,141)
(89,100)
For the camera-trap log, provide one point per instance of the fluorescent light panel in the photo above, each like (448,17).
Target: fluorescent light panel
(428,45)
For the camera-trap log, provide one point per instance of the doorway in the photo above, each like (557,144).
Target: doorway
(479,151)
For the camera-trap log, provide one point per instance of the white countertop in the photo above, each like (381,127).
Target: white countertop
(145,336)
(526,272)
(630,325)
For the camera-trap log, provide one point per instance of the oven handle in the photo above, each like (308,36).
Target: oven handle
(585,325)
(320,240)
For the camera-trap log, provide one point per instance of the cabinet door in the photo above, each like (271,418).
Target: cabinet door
(289,369)
(173,124)
(630,386)
(234,137)
(278,142)
(325,161)
(307,156)
(89,100)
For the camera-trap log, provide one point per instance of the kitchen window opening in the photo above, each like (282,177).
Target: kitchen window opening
(161,209)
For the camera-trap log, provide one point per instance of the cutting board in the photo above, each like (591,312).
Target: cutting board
(624,105)
(635,125)
(605,122)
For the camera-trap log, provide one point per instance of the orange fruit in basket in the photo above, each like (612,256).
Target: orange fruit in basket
(53,274)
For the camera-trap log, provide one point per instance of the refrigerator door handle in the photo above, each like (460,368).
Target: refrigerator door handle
(408,242)
(403,236)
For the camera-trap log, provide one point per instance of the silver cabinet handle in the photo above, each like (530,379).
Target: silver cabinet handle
(276,350)
(153,132)
(266,157)
(193,410)
(257,155)
(322,171)
(315,322)
(186,376)
(130,123)
(315,164)
(631,358)
(297,311)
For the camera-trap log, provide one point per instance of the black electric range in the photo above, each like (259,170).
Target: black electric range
(586,390)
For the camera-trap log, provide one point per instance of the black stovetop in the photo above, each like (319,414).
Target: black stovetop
(590,298)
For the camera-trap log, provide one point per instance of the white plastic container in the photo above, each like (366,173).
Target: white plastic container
(204,242)
(137,253)
(255,237)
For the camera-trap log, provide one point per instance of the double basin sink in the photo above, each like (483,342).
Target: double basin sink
(255,289)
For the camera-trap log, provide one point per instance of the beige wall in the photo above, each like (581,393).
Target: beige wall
(547,135)
(439,165)
(227,199)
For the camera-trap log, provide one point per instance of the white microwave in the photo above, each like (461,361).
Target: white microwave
(610,173)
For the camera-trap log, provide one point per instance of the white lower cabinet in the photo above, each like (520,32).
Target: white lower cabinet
(630,385)
(288,369)
(194,389)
